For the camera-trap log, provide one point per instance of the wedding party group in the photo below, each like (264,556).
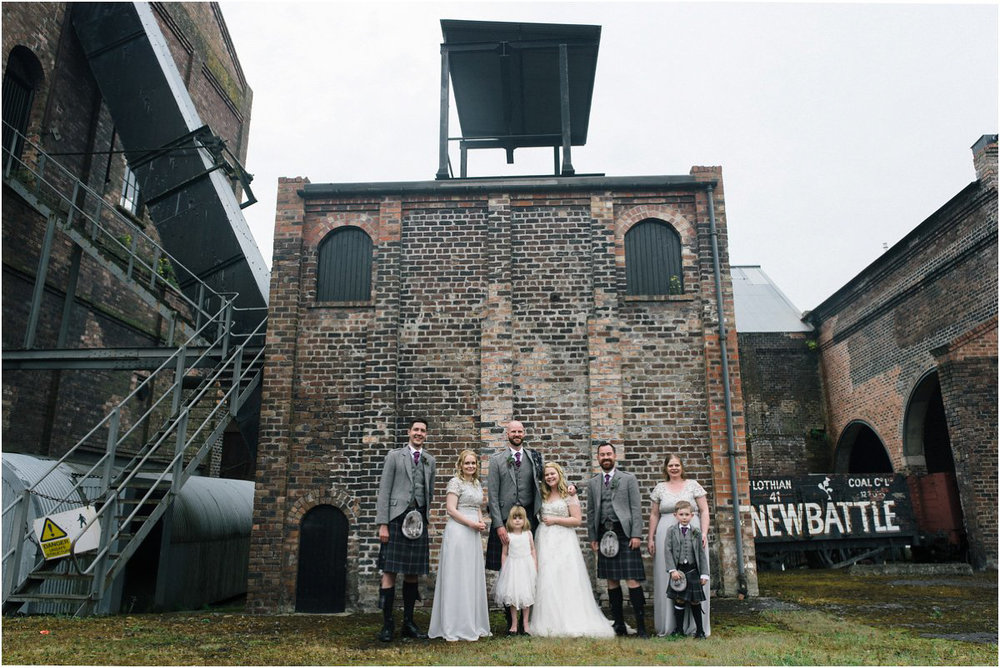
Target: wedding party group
(542,582)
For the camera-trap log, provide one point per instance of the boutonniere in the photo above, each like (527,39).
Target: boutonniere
(614,482)
(510,460)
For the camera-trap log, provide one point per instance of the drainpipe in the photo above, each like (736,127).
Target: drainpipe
(741,576)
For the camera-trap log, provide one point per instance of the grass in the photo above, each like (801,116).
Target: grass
(826,626)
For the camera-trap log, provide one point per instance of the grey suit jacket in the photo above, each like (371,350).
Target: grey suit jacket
(501,488)
(673,548)
(396,483)
(625,499)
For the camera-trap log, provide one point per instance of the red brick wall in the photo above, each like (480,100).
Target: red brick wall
(879,336)
(46,412)
(485,307)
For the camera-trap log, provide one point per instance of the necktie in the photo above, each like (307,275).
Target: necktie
(607,479)
(416,456)
(684,530)
(517,459)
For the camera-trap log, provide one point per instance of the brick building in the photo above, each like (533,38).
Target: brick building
(779,367)
(123,128)
(908,354)
(895,372)
(474,302)
(52,98)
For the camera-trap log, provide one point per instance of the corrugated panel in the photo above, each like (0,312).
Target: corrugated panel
(652,257)
(19,473)
(344,269)
(209,509)
(760,306)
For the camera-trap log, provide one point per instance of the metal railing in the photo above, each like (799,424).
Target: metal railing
(155,438)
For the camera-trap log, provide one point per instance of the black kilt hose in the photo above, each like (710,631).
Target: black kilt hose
(494,546)
(626,565)
(403,555)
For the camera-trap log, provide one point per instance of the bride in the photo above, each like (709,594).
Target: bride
(564,600)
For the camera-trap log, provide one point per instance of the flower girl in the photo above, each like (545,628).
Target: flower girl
(515,585)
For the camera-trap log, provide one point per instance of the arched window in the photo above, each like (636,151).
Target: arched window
(22,76)
(653,259)
(344,269)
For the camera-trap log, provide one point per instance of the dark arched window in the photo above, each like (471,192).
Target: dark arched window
(653,259)
(344,269)
(22,76)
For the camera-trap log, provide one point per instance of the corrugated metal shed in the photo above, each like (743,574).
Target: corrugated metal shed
(760,306)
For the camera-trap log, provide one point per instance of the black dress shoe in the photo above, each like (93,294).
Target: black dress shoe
(699,634)
(641,632)
(677,633)
(621,630)
(410,630)
(385,635)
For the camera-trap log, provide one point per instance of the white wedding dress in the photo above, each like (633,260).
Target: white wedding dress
(564,598)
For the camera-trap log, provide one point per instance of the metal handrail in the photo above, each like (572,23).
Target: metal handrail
(212,325)
(38,171)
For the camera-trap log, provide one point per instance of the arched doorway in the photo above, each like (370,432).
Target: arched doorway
(860,450)
(925,430)
(322,578)
(935,495)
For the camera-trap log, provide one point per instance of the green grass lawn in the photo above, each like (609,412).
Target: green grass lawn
(829,619)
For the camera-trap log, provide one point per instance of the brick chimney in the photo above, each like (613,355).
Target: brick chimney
(984,157)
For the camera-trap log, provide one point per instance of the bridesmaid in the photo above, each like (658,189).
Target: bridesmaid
(661,517)
(461,610)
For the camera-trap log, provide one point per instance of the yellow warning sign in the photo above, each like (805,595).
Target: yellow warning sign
(77,528)
(51,531)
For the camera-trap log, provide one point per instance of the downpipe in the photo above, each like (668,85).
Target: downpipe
(741,576)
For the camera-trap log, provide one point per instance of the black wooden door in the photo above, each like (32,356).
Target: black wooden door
(322,581)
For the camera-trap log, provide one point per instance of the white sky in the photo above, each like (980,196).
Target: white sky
(839,127)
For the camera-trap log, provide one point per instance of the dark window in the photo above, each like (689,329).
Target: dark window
(130,192)
(344,270)
(18,92)
(653,259)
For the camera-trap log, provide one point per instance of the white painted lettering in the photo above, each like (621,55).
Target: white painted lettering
(791,516)
(845,513)
(832,519)
(814,518)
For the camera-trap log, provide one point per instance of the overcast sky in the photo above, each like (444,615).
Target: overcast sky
(839,127)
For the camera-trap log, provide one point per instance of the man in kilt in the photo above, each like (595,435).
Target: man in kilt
(614,505)
(406,485)
(513,480)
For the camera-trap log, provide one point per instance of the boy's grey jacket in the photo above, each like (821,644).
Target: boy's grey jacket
(501,487)
(396,484)
(624,498)
(673,546)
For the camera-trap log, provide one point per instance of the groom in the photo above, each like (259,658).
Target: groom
(614,505)
(514,474)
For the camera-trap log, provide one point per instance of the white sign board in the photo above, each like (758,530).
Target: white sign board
(56,533)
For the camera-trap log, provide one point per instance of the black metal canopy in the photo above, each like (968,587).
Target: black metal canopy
(518,85)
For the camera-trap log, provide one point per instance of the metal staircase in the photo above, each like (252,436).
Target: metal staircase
(131,465)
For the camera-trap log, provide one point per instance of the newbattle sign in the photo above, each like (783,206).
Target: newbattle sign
(830,506)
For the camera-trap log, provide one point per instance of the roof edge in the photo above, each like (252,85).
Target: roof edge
(520,184)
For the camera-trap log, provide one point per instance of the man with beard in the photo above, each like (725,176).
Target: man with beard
(513,480)
(614,522)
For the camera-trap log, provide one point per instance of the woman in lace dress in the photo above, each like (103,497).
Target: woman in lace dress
(461,610)
(661,518)
(564,599)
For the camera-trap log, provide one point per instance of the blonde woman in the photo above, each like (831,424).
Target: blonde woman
(461,610)
(564,600)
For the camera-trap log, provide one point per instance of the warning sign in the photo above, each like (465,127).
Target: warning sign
(56,533)
(50,531)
